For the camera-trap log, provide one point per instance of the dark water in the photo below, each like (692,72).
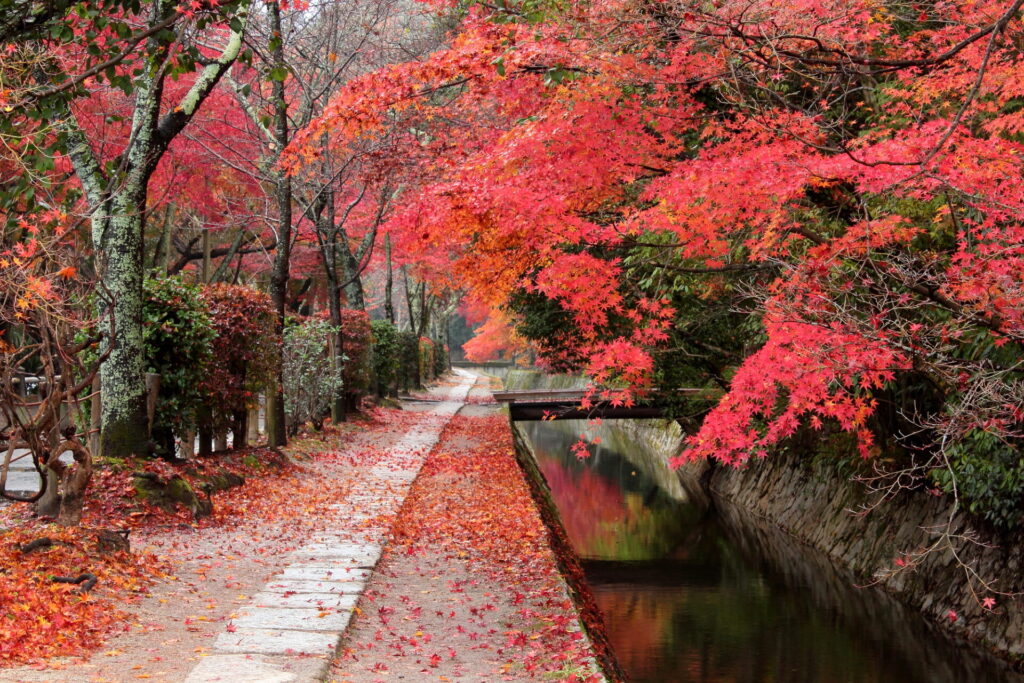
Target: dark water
(692,593)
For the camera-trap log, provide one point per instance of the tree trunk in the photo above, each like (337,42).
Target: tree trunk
(205,420)
(240,429)
(353,281)
(74,481)
(276,431)
(252,425)
(122,375)
(188,444)
(95,416)
(49,504)
(338,413)
(408,300)
(421,329)
(207,256)
(389,306)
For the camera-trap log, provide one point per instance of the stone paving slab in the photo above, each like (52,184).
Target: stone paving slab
(263,641)
(305,609)
(325,600)
(301,572)
(365,555)
(259,669)
(294,586)
(293,618)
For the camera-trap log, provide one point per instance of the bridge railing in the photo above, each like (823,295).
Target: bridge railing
(566,404)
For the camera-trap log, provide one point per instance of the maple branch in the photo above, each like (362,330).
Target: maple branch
(132,42)
(995,27)
(175,121)
(250,110)
(187,255)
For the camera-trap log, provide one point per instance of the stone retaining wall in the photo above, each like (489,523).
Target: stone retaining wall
(816,504)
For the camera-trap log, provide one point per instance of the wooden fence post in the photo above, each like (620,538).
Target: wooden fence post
(152,391)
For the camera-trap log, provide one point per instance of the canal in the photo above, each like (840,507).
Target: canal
(697,592)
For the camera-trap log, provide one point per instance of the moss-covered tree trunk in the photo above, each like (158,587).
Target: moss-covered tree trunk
(122,375)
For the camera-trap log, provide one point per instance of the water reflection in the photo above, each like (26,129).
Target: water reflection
(692,593)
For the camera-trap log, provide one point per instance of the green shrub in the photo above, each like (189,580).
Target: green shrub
(385,357)
(989,477)
(310,378)
(177,335)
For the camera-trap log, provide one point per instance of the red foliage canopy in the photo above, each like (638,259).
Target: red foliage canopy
(869,155)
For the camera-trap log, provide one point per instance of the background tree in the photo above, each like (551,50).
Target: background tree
(247,349)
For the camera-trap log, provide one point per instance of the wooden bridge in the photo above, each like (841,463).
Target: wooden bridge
(566,404)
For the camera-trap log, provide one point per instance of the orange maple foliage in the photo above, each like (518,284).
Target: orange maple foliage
(42,619)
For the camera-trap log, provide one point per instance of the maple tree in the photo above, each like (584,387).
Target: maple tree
(115,183)
(834,183)
(43,331)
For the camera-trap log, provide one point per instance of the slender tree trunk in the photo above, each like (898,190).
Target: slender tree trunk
(338,413)
(353,281)
(276,432)
(162,255)
(207,256)
(205,420)
(240,429)
(389,306)
(421,329)
(408,300)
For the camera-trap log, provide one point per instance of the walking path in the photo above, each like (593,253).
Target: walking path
(302,589)
(289,630)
